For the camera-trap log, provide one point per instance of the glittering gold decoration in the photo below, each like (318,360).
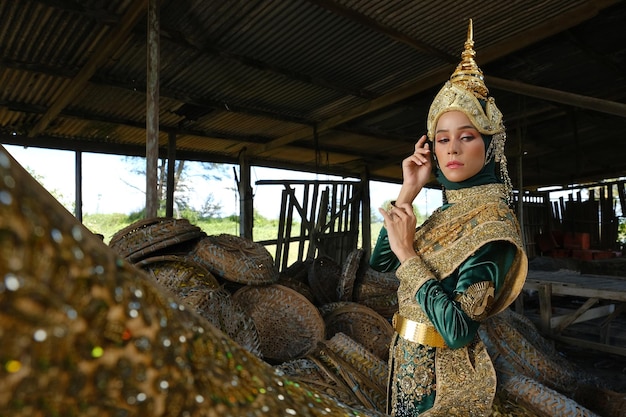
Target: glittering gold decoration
(412,370)
(466,382)
(85,333)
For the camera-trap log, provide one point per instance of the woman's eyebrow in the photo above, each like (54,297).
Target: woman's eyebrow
(458,128)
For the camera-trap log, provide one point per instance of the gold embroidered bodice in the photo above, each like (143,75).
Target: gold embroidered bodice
(475,216)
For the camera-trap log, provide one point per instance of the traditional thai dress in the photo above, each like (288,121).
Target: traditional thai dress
(470,265)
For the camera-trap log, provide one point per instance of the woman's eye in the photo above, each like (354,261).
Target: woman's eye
(442,140)
(467,138)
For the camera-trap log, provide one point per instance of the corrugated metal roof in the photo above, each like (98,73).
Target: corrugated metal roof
(294,80)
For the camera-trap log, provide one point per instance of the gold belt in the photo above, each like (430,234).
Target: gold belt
(417,332)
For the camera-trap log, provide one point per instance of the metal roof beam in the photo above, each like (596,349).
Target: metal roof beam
(116,38)
(530,36)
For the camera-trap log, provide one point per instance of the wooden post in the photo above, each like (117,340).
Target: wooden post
(520,187)
(366,216)
(246,208)
(545,308)
(171,168)
(152,110)
(78,202)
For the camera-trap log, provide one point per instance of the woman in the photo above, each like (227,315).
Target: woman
(464,264)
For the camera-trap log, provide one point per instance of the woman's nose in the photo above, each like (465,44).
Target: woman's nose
(454,147)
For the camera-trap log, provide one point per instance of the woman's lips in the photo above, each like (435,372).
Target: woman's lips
(454,164)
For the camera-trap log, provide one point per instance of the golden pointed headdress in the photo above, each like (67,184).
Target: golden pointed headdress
(466,92)
(467,73)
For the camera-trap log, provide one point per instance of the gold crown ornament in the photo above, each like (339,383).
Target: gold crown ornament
(466,92)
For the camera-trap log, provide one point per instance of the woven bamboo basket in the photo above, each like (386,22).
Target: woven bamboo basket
(360,323)
(289,325)
(177,273)
(519,348)
(297,285)
(298,270)
(236,259)
(386,305)
(312,372)
(145,238)
(364,373)
(360,358)
(541,400)
(218,307)
(378,291)
(324,275)
(349,271)
(373,283)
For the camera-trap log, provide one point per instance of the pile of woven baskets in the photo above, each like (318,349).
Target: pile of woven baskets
(328,325)
(324,323)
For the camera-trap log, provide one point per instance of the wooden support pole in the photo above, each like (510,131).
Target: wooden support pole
(152,110)
(246,208)
(78,178)
(366,216)
(171,168)
(545,307)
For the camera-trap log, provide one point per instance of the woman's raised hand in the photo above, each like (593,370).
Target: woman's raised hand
(416,168)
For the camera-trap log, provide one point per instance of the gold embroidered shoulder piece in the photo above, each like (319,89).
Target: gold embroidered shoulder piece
(476,299)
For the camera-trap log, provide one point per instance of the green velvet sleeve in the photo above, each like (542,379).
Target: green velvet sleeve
(437,298)
(383,259)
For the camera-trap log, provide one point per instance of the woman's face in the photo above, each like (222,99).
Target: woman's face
(459,147)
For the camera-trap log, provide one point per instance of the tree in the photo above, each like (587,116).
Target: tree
(210,208)
(185,174)
(69,205)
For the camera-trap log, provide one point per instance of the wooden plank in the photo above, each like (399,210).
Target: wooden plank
(584,313)
(579,292)
(605,334)
(281,228)
(545,307)
(586,344)
(304,224)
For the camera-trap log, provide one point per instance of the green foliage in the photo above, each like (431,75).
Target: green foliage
(376,217)
(107,224)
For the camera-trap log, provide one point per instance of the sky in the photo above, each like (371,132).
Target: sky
(109,186)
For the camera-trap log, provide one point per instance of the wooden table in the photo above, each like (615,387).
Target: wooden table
(605,297)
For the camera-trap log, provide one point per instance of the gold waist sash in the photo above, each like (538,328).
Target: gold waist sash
(417,332)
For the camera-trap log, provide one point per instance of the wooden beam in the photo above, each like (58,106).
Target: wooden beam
(583,313)
(117,37)
(586,344)
(561,97)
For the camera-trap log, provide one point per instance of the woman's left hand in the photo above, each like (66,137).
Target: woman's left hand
(400,223)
